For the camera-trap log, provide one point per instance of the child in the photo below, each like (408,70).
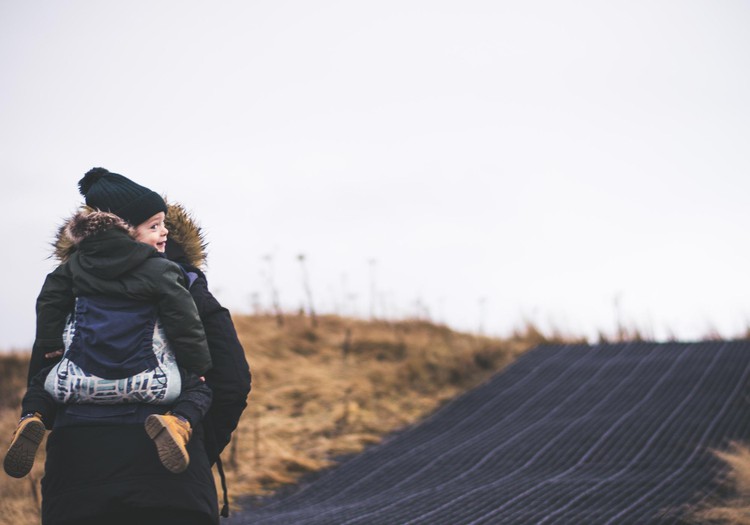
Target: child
(115,286)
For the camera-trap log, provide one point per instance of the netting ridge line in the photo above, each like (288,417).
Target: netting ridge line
(740,384)
(651,440)
(621,350)
(362,479)
(478,437)
(558,356)
(605,399)
(643,361)
(591,450)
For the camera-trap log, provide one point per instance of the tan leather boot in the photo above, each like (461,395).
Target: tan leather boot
(171,435)
(26,439)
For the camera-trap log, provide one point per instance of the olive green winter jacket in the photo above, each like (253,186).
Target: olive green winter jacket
(106,261)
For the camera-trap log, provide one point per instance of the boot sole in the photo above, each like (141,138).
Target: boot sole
(20,457)
(172,454)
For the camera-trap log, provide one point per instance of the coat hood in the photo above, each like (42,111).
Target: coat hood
(186,243)
(85,224)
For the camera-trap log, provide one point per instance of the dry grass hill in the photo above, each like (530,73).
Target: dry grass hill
(320,390)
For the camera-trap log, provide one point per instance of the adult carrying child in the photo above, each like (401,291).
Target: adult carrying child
(112,305)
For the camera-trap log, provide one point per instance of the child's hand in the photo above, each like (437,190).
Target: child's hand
(52,355)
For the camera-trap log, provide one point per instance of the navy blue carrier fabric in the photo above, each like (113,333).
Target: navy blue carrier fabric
(113,336)
(618,433)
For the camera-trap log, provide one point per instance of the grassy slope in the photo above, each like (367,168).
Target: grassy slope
(318,393)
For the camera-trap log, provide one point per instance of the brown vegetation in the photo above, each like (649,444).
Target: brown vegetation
(735,508)
(19,499)
(318,393)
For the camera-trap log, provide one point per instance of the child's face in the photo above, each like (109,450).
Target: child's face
(153,232)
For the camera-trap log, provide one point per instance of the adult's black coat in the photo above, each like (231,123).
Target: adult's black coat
(105,467)
(230,378)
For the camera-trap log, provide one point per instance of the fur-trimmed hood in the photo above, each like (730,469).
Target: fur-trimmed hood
(185,242)
(85,224)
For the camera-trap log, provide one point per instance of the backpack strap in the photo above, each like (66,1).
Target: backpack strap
(190,276)
(225,508)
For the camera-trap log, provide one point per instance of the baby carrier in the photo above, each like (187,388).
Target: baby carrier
(115,352)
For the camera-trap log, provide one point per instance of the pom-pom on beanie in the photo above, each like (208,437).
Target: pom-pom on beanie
(117,194)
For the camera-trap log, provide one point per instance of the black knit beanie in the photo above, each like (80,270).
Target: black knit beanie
(119,195)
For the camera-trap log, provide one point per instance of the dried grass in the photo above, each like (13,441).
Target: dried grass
(734,508)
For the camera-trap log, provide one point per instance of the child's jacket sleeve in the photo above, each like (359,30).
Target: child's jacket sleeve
(54,304)
(179,317)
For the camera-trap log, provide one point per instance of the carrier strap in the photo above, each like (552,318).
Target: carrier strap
(225,508)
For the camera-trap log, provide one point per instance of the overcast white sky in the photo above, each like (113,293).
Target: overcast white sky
(551,157)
